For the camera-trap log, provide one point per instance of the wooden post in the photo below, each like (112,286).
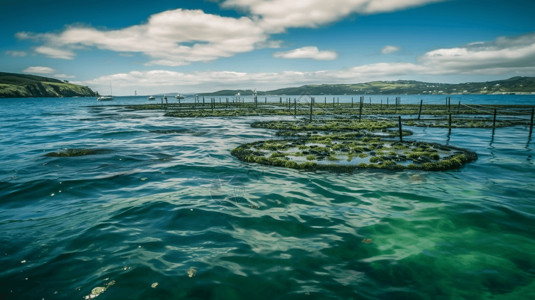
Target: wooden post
(531,123)
(351,102)
(202,101)
(295,107)
(311,108)
(400,129)
(265,100)
(289,104)
(280,100)
(494,123)
(333,101)
(420,110)
(387,101)
(360,109)
(213,104)
(381,106)
(449,125)
(226,105)
(459,108)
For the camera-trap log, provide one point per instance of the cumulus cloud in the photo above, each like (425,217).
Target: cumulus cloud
(180,37)
(278,15)
(55,52)
(504,56)
(307,52)
(171,38)
(501,54)
(64,76)
(39,70)
(389,49)
(16,53)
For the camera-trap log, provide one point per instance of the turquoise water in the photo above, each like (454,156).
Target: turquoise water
(163,211)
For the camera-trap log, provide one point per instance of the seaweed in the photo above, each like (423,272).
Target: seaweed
(413,155)
(70,152)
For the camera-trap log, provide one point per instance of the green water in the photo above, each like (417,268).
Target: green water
(163,211)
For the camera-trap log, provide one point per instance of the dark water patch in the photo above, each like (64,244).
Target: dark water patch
(73,152)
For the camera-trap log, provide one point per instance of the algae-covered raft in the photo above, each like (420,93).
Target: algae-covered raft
(350,155)
(346,146)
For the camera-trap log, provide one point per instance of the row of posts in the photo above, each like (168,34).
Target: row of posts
(361,103)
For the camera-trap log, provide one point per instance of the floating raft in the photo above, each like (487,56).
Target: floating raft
(350,155)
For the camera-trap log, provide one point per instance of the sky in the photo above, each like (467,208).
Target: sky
(191,46)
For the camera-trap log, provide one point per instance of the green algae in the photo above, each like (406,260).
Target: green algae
(327,155)
(329,125)
(232,109)
(74,152)
(465,123)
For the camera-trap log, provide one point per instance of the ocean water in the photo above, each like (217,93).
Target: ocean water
(163,211)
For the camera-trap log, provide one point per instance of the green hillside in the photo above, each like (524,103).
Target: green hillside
(21,86)
(520,85)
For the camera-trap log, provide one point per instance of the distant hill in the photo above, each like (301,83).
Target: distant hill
(519,85)
(22,85)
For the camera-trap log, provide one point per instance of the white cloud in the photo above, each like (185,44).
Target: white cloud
(64,76)
(307,52)
(389,49)
(504,53)
(171,38)
(39,70)
(505,56)
(16,53)
(278,15)
(180,37)
(55,52)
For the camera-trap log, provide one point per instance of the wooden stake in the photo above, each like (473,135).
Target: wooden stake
(494,123)
(311,108)
(360,108)
(449,125)
(531,123)
(295,107)
(420,110)
(400,129)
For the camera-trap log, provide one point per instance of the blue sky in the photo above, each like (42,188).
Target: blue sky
(195,46)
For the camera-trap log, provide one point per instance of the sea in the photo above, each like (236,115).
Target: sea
(162,210)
